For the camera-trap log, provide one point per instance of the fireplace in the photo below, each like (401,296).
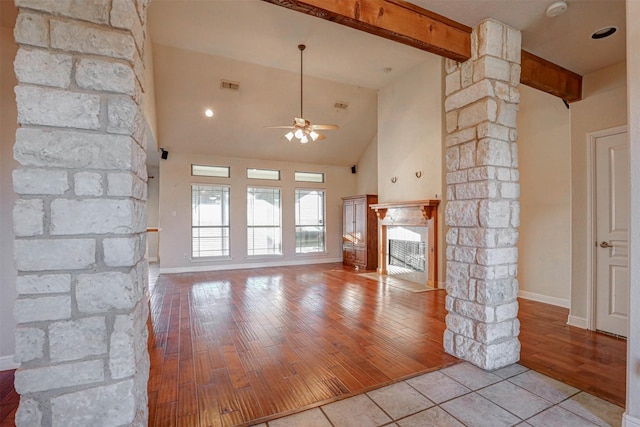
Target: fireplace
(407,243)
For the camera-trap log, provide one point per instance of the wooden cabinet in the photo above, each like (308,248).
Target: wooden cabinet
(360,232)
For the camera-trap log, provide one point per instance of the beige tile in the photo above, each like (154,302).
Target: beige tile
(510,371)
(399,400)
(596,410)
(558,417)
(437,386)
(357,411)
(543,386)
(476,411)
(431,417)
(514,399)
(311,418)
(470,376)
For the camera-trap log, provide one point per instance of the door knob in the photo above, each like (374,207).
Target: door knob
(605,245)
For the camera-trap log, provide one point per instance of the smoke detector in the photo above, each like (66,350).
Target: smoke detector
(557,8)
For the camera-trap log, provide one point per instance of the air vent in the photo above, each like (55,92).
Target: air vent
(340,105)
(228,84)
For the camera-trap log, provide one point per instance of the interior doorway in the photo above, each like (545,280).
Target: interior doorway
(609,170)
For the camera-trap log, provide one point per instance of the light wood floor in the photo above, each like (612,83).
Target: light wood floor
(232,347)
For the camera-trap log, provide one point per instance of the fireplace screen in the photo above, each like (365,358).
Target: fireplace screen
(407,254)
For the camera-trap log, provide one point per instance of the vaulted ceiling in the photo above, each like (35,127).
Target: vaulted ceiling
(254,42)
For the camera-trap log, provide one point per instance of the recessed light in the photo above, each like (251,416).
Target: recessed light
(557,8)
(604,32)
(208,112)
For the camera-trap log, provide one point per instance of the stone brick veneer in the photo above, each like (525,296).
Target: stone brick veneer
(482,199)
(80,219)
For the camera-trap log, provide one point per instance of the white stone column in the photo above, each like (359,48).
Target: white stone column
(482,208)
(80,219)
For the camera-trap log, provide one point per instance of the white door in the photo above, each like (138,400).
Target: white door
(612,231)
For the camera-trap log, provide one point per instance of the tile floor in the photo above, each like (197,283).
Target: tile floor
(463,395)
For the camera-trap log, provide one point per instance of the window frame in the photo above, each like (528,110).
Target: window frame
(228,169)
(323,219)
(226,239)
(250,251)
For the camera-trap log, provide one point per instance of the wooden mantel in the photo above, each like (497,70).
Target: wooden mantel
(422,213)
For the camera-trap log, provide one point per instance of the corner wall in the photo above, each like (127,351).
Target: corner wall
(544,246)
(604,106)
(8,121)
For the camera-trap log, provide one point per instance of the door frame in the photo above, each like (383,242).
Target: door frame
(591,219)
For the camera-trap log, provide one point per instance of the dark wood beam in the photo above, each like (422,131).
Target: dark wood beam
(549,77)
(395,20)
(412,25)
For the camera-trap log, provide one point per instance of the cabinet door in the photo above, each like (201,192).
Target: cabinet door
(360,221)
(347,222)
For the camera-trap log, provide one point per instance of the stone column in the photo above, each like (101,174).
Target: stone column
(80,219)
(482,199)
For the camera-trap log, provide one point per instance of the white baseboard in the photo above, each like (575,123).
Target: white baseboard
(629,421)
(560,302)
(7,363)
(219,267)
(578,322)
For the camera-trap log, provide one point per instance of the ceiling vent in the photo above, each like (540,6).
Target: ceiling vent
(228,84)
(340,105)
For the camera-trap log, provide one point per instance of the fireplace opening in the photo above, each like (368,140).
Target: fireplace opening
(407,253)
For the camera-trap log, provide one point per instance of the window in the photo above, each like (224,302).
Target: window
(310,227)
(264,233)
(273,175)
(309,176)
(209,221)
(216,171)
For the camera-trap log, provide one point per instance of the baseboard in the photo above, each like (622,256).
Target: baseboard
(219,267)
(578,322)
(560,302)
(7,363)
(629,421)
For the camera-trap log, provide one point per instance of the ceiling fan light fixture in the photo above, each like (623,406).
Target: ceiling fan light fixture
(314,135)
(304,139)
(298,133)
(289,135)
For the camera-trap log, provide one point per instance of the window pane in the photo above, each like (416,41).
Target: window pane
(209,221)
(309,176)
(310,226)
(264,233)
(217,171)
(273,175)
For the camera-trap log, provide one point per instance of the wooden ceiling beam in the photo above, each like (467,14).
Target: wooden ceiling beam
(412,25)
(395,20)
(549,77)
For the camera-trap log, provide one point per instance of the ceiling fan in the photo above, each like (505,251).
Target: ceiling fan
(302,129)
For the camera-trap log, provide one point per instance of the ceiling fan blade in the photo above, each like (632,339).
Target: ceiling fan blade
(279,127)
(320,137)
(325,127)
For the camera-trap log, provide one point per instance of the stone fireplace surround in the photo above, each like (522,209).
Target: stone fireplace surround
(419,213)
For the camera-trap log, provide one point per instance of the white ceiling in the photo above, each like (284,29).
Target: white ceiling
(266,35)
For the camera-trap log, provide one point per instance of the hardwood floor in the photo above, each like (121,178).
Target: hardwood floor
(231,347)
(235,346)
(591,361)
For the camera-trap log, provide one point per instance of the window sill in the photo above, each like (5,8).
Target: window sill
(210,259)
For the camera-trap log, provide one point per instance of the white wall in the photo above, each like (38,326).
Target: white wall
(632,414)
(604,106)
(175,210)
(153,199)
(367,170)
(8,120)
(410,134)
(544,147)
